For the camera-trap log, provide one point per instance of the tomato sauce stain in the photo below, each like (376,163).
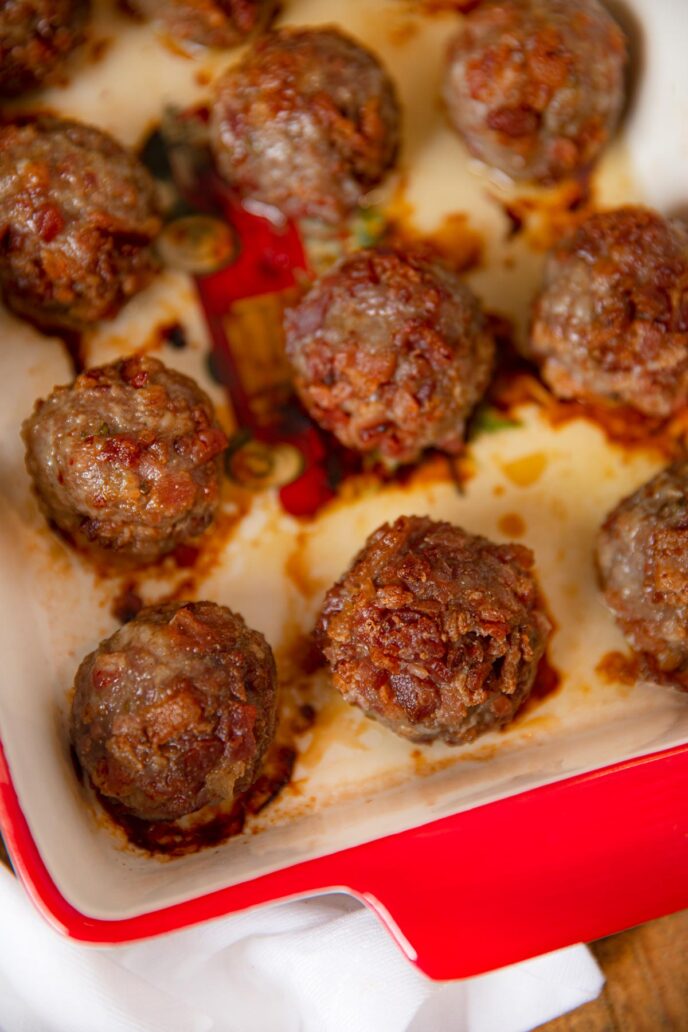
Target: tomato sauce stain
(547,683)
(619,668)
(631,668)
(543,218)
(127,603)
(620,424)
(512,525)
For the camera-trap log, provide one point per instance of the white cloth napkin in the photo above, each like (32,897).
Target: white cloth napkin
(322,965)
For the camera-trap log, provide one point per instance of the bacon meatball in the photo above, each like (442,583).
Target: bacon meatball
(36,37)
(642,556)
(176,710)
(535,87)
(390,352)
(77,220)
(435,632)
(212,23)
(126,460)
(307,122)
(611,321)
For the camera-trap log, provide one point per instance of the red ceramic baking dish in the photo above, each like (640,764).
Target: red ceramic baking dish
(568,825)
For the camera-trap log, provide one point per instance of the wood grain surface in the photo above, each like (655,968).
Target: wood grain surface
(647,980)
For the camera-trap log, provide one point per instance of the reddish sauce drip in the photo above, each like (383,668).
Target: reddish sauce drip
(629,668)
(127,603)
(72,342)
(547,678)
(619,668)
(546,217)
(517,384)
(547,682)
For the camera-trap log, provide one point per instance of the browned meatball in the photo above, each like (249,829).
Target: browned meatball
(213,23)
(35,38)
(175,710)
(77,220)
(435,632)
(307,122)
(126,460)
(535,87)
(611,322)
(390,352)
(642,555)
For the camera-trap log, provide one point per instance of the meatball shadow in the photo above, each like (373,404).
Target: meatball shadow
(635,69)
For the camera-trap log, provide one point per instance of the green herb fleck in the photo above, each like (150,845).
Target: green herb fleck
(369,226)
(489,420)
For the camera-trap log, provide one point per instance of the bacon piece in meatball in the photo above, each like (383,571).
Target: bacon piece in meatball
(611,322)
(535,87)
(212,23)
(390,352)
(435,632)
(307,122)
(77,220)
(127,460)
(176,710)
(642,556)
(36,36)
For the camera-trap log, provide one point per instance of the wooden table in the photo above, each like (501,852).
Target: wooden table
(647,981)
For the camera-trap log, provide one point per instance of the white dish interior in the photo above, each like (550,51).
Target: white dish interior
(354,780)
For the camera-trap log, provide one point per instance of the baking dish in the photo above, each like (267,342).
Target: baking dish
(567,826)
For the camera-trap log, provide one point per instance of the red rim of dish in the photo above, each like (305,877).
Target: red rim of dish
(571,861)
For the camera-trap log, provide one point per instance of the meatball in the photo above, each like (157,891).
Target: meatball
(77,219)
(307,122)
(126,461)
(611,322)
(390,352)
(176,710)
(642,556)
(35,38)
(213,23)
(435,632)
(535,87)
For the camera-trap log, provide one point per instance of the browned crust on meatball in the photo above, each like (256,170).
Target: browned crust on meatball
(36,36)
(307,122)
(176,710)
(390,352)
(535,87)
(435,632)
(642,558)
(611,322)
(126,461)
(77,219)
(212,23)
